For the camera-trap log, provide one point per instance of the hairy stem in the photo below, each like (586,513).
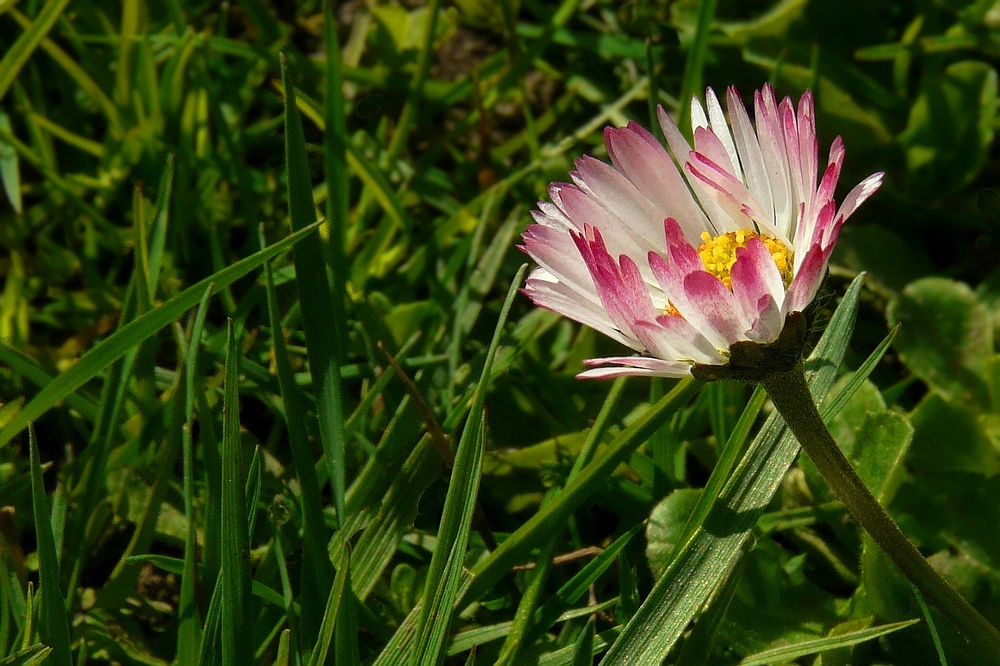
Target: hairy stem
(791,397)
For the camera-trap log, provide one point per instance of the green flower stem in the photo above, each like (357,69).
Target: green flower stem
(791,397)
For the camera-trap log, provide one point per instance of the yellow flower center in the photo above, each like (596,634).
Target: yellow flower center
(719,253)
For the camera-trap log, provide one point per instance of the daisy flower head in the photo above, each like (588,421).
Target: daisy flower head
(694,257)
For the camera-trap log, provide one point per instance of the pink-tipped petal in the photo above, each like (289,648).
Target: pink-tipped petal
(639,156)
(709,145)
(720,128)
(860,194)
(750,154)
(807,279)
(753,276)
(712,309)
(768,325)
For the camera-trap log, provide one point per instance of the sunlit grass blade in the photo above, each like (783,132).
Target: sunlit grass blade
(571,591)
(27,42)
(466,640)
(789,653)
(589,479)
(28,368)
(314,299)
(443,577)
(331,615)
(31,656)
(131,335)
(10,170)
(53,627)
(284,649)
(237,610)
(705,559)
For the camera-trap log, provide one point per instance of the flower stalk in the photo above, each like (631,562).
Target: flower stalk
(791,397)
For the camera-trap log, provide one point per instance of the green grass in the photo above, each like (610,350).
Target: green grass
(270,395)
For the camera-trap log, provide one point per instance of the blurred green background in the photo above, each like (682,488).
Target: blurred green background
(145,147)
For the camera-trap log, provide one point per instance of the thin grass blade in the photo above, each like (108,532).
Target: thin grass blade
(237,613)
(53,627)
(315,299)
(132,334)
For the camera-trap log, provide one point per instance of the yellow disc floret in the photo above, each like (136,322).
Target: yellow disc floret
(719,253)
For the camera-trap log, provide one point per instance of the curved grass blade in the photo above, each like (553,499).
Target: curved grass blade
(132,334)
(584,484)
(707,557)
(331,616)
(53,627)
(25,45)
(31,656)
(444,575)
(314,299)
(319,571)
(789,653)
(237,615)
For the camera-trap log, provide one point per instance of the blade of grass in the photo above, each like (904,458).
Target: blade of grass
(471,638)
(694,65)
(27,42)
(31,656)
(441,589)
(315,299)
(53,627)
(189,622)
(571,591)
(319,571)
(407,118)
(706,558)
(788,653)
(583,648)
(332,613)
(10,170)
(590,478)
(237,615)
(443,577)
(129,336)
(335,172)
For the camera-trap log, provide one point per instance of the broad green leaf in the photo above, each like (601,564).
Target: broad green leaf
(53,625)
(950,130)
(666,527)
(950,436)
(704,561)
(132,334)
(946,338)
(890,259)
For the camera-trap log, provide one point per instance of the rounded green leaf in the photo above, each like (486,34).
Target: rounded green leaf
(946,338)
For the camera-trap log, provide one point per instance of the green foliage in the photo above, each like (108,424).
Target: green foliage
(288,229)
